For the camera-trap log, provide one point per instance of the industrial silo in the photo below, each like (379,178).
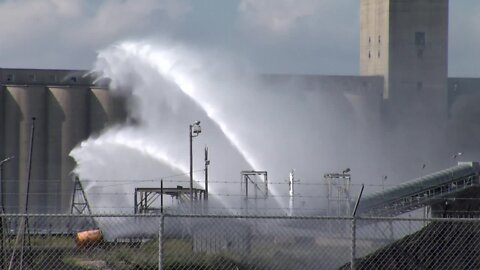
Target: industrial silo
(2,137)
(67,126)
(101,109)
(21,104)
(2,124)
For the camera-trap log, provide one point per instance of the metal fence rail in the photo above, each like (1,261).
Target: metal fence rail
(236,242)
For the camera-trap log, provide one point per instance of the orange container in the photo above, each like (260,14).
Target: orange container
(88,238)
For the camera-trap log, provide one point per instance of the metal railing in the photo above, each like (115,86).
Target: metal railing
(236,242)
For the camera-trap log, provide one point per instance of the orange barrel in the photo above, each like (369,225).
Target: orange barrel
(88,238)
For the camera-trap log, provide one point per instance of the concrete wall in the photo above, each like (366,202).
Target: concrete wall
(412,57)
(104,109)
(2,139)
(62,103)
(45,77)
(68,112)
(31,103)
(374,39)
(407,41)
(418,59)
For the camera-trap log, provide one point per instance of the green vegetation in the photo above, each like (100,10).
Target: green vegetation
(60,252)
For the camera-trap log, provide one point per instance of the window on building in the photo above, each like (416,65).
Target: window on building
(369,40)
(420,39)
(10,77)
(379,39)
(378,54)
(369,55)
(73,79)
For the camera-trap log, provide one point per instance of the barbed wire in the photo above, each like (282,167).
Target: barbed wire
(128,182)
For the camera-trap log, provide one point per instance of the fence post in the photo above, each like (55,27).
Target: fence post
(160,242)
(354,230)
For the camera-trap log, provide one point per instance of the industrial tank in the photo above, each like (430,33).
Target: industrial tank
(101,109)
(88,238)
(2,124)
(105,109)
(68,126)
(21,104)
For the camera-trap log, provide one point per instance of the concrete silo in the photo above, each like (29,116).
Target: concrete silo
(2,132)
(2,124)
(67,126)
(105,109)
(21,104)
(101,109)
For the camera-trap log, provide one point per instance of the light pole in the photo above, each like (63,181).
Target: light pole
(207,162)
(423,170)
(195,130)
(384,178)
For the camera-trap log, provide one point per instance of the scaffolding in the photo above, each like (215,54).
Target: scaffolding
(150,200)
(256,181)
(339,199)
(259,181)
(80,204)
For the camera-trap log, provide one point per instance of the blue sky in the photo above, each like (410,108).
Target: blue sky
(274,36)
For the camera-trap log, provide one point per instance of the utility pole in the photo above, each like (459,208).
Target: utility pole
(194,131)
(207,162)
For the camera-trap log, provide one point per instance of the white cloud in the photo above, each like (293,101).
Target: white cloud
(77,25)
(115,17)
(21,21)
(278,16)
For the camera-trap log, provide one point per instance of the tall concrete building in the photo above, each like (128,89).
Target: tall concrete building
(406,42)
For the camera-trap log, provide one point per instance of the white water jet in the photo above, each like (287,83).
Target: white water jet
(248,124)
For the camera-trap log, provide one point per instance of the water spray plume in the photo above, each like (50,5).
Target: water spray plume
(249,123)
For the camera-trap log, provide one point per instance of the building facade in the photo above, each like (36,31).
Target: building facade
(68,107)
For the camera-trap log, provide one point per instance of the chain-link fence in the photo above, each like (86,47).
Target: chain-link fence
(117,242)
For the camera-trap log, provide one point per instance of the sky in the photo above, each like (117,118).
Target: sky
(273,36)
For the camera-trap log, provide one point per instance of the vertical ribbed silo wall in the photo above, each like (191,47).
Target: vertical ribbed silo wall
(100,108)
(11,141)
(68,126)
(23,103)
(119,109)
(2,124)
(105,109)
(2,140)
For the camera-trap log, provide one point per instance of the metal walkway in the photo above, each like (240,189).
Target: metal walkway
(427,190)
